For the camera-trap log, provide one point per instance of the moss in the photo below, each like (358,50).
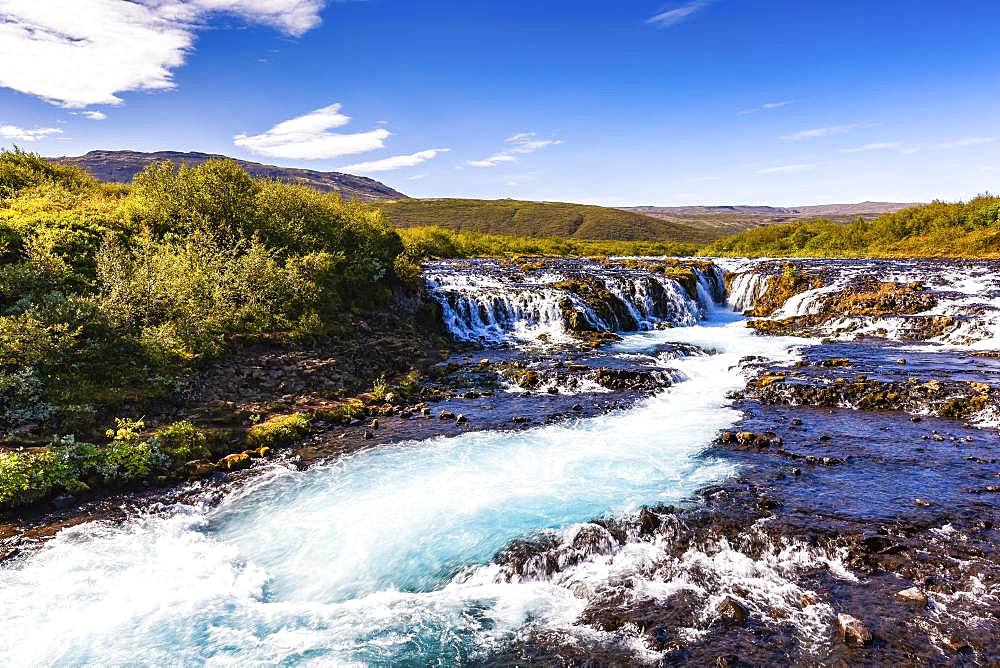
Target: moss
(278,431)
(235,461)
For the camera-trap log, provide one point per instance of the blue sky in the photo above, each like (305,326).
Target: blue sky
(634,102)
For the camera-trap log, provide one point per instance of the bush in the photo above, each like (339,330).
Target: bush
(182,442)
(110,293)
(277,431)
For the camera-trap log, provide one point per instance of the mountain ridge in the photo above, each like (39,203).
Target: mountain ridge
(122,166)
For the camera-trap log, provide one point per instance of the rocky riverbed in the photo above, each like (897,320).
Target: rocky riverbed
(614,466)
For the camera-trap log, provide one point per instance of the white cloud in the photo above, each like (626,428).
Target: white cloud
(521,143)
(115,46)
(878,146)
(815,133)
(416,177)
(395,162)
(967,141)
(765,107)
(674,16)
(308,137)
(702,179)
(92,115)
(27,134)
(788,169)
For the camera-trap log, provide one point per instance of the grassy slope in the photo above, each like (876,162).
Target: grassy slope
(540,220)
(965,229)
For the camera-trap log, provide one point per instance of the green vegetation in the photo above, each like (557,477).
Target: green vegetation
(113,293)
(279,430)
(545,220)
(68,466)
(435,242)
(939,229)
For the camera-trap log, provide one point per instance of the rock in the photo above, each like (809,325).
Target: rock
(390,398)
(446,415)
(853,631)
(426,412)
(233,462)
(921,502)
(901,360)
(553,390)
(577,408)
(200,468)
(796,471)
(460,419)
(264,452)
(796,421)
(913,596)
(367,435)
(520,419)
(484,362)
(732,611)
(63,501)
(374,424)
(957,644)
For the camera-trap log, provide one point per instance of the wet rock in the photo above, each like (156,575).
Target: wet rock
(520,419)
(577,408)
(853,632)
(921,502)
(461,419)
(913,596)
(446,415)
(199,468)
(374,423)
(732,611)
(367,435)
(233,462)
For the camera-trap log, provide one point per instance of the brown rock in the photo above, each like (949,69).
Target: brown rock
(913,596)
(732,611)
(853,631)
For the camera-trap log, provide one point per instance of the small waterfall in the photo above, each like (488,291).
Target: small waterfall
(745,288)
(485,300)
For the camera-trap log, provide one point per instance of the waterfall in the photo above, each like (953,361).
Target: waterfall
(483,300)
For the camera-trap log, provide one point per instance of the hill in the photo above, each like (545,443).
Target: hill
(939,229)
(122,166)
(541,220)
(724,220)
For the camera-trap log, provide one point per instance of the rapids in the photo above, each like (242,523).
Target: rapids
(391,555)
(383,555)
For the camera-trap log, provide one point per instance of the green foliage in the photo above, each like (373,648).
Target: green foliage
(277,431)
(182,442)
(938,229)
(109,293)
(20,170)
(421,243)
(26,477)
(541,220)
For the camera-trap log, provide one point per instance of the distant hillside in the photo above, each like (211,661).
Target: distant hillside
(939,229)
(541,219)
(121,166)
(723,220)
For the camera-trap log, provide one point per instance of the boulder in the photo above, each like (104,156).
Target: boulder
(235,461)
(913,596)
(732,611)
(853,631)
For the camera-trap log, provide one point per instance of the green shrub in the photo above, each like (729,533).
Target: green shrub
(278,431)
(182,442)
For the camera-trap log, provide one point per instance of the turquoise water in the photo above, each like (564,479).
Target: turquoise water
(380,558)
